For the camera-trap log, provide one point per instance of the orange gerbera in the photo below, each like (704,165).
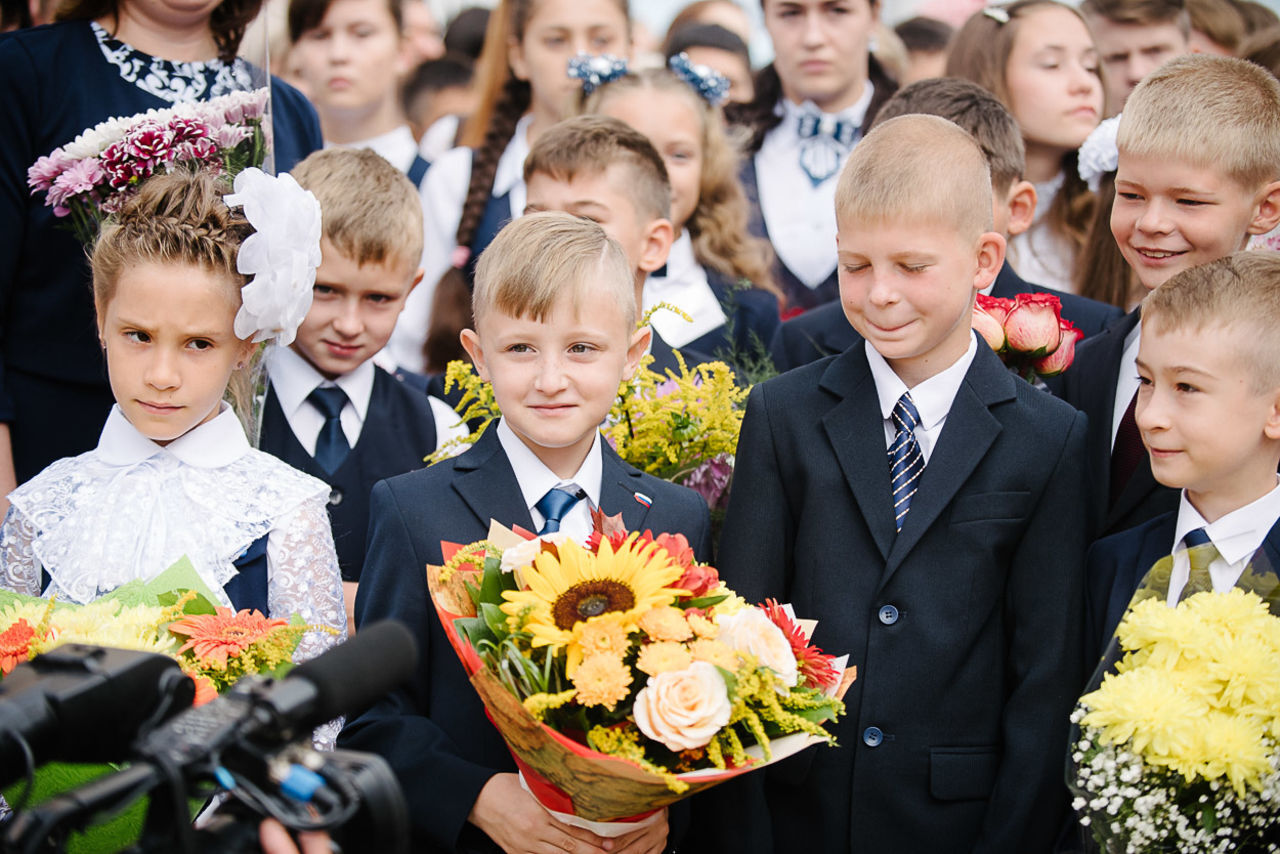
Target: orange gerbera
(214,637)
(15,645)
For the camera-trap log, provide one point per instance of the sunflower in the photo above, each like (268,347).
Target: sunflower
(575,585)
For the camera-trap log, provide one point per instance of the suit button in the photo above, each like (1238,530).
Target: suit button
(335,497)
(888,615)
(872,736)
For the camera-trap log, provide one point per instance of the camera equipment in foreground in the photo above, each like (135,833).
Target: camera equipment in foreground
(251,746)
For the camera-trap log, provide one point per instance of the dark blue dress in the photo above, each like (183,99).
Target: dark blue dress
(58,82)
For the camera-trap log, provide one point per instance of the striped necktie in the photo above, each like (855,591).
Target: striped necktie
(906,463)
(1200,553)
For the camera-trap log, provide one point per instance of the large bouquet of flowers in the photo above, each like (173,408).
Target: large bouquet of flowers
(625,676)
(682,427)
(1178,746)
(1028,333)
(91,177)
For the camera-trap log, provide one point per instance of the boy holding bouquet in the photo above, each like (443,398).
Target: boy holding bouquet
(555,335)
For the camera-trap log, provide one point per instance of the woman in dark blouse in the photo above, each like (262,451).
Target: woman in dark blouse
(105,59)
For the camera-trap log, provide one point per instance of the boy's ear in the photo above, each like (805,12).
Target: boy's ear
(658,237)
(417,280)
(1271,429)
(1267,216)
(471,343)
(636,350)
(1021,202)
(990,259)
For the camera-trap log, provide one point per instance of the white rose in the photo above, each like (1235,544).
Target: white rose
(683,709)
(752,632)
(518,557)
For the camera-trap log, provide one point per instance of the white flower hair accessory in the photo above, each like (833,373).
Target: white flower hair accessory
(999,14)
(595,70)
(1099,155)
(281,255)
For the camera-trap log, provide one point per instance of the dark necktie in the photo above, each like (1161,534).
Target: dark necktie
(906,463)
(1127,452)
(1200,553)
(824,141)
(331,443)
(553,506)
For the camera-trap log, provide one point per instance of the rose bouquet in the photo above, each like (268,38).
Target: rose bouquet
(91,177)
(682,427)
(1028,333)
(1178,747)
(625,676)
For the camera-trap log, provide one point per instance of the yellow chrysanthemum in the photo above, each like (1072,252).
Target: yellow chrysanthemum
(1146,708)
(702,627)
(663,656)
(716,652)
(110,624)
(602,680)
(666,623)
(1247,675)
(575,585)
(603,635)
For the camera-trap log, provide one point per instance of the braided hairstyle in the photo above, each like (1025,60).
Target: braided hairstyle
(177,217)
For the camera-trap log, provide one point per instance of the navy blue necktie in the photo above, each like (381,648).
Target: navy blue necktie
(906,462)
(1200,553)
(331,443)
(553,506)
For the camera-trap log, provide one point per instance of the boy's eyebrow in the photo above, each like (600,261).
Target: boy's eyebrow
(1174,369)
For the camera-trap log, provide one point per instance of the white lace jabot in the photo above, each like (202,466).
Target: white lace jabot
(130,508)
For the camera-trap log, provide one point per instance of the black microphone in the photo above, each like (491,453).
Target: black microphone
(80,703)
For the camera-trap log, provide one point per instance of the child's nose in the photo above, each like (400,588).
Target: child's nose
(882,290)
(1154,218)
(162,371)
(814,33)
(348,322)
(551,375)
(1149,412)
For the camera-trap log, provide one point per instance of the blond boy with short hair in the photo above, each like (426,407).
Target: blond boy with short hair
(926,506)
(555,335)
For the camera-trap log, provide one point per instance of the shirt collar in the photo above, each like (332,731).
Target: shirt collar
(855,114)
(293,378)
(397,147)
(535,478)
(681,264)
(1236,535)
(932,398)
(510,169)
(217,442)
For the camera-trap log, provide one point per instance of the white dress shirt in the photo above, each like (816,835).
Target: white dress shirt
(800,217)
(397,147)
(1236,536)
(685,286)
(536,479)
(439,138)
(933,397)
(1127,382)
(443,193)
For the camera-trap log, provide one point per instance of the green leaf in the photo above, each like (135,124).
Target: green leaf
(182,576)
(474,630)
(491,584)
(704,601)
(494,619)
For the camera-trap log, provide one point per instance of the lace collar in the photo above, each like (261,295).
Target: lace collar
(218,442)
(174,82)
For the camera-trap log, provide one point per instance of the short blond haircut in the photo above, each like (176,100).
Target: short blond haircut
(369,210)
(1240,291)
(537,258)
(917,169)
(1212,112)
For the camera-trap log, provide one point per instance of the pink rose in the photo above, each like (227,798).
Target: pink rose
(683,709)
(1061,358)
(989,328)
(997,307)
(1032,327)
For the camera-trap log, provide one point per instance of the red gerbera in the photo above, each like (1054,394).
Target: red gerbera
(15,645)
(214,637)
(816,668)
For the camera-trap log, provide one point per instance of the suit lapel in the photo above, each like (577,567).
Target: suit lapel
(1008,284)
(1139,488)
(619,490)
(967,435)
(856,432)
(489,486)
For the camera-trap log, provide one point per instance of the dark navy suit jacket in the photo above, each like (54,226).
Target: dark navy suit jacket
(753,321)
(825,331)
(1090,386)
(965,627)
(433,731)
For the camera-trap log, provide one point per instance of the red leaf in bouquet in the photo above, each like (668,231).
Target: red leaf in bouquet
(1032,327)
(214,637)
(816,668)
(15,645)
(606,526)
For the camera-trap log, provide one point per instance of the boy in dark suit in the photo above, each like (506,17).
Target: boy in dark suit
(607,171)
(824,331)
(1209,412)
(555,334)
(926,507)
(329,410)
(1199,172)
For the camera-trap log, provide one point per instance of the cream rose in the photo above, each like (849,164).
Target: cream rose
(518,557)
(750,631)
(683,709)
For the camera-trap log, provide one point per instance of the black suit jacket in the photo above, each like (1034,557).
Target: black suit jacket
(433,731)
(1090,386)
(965,627)
(825,331)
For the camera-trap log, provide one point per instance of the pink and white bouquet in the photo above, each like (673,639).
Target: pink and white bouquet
(92,176)
(1028,333)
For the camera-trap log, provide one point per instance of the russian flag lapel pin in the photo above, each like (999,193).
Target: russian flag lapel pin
(641,498)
